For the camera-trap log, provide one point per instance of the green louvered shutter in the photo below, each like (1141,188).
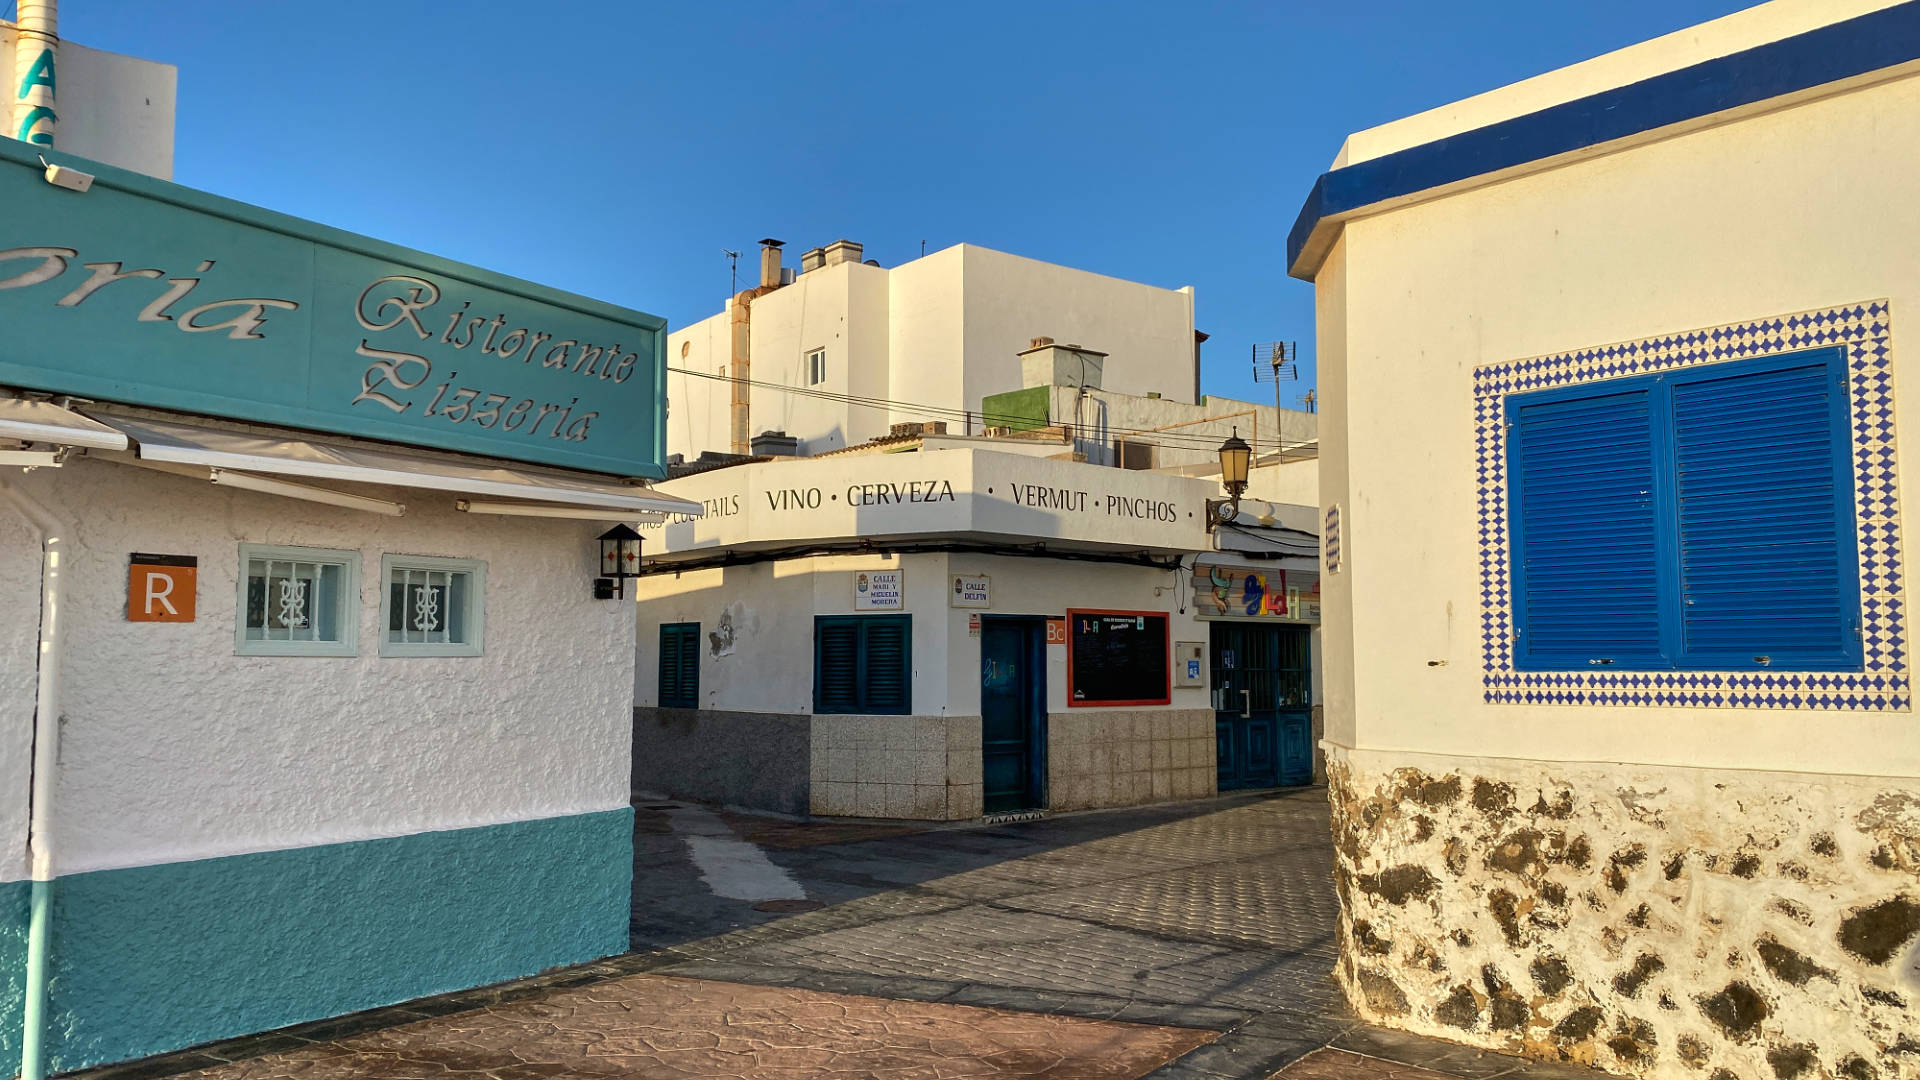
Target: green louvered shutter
(887,653)
(836,665)
(680,665)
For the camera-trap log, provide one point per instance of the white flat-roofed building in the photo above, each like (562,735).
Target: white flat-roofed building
(1624,760)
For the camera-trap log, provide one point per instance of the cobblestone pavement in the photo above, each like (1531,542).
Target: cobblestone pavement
(688,1029)
(1333,1064)
(1196,937)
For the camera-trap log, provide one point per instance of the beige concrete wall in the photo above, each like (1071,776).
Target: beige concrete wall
(1112,757)
(924,768)
(935,335)
(843,310)
(1295,483)
(697,408)
(756,626)
(1146,331)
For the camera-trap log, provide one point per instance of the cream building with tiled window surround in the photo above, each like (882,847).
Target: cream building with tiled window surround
(1682,875)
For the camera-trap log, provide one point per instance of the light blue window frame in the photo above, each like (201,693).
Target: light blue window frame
(431,572)
(1669,652)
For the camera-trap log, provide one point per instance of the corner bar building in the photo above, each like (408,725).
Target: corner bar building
(292,725)
(947,634)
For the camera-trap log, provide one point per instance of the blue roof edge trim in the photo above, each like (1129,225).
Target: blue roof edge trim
(1857,46)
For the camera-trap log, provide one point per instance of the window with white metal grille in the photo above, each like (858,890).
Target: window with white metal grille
(431,606)
(297,602)
(816,367)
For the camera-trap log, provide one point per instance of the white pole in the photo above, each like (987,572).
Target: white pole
(46,760)
(35,48)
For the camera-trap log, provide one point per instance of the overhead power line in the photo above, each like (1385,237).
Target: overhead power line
(1176,440)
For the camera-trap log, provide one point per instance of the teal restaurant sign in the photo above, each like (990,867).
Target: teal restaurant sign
(148,293)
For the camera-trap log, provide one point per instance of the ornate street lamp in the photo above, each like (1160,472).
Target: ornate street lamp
(619,560)
(1236,458)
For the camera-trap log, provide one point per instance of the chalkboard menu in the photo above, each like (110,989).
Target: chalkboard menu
(1117,658)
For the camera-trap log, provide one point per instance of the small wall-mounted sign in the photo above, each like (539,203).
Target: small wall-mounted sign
(973,625)
(160,588)
(970,591)
(1188,657)
(879,590)
(1057,631)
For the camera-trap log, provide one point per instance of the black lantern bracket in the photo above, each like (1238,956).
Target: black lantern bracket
(1236,460)
(619,560)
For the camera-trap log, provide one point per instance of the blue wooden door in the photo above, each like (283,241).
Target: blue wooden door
(1013,697)
(1263,719)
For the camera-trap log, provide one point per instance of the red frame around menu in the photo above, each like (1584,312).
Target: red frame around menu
(1166,668)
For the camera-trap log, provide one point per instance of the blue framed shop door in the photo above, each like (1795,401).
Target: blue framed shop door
(1013,713)
(1263,706)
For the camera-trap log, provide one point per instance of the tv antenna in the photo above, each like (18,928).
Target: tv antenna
(733,270)
(1276,362)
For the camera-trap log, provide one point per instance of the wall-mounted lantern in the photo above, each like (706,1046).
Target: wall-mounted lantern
(619,560)
(1236,459)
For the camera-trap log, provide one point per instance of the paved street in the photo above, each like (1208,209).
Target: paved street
(1184,941)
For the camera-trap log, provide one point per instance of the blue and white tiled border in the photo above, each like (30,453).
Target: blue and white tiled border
(1864,329)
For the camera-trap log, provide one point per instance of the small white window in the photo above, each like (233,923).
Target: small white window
(297,602)
(816,367)
(432,607)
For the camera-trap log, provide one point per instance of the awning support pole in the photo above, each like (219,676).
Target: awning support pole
(46,757)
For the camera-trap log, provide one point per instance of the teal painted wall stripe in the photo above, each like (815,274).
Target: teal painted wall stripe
(156,958)
(13,970)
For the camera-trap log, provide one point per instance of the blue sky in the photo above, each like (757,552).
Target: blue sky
(615,148)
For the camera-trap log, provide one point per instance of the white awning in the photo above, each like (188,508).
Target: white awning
(44,422)
(181,444)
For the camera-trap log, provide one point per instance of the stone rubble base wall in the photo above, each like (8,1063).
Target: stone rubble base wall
(1652,921)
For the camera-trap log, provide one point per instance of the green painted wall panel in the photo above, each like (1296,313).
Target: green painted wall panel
(1021,410)
(156,958)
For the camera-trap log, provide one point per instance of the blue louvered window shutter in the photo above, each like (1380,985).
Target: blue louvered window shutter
(1698,519)
(1586,538)
(1769,570)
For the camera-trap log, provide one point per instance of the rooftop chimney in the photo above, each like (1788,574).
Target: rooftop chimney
(770,263)
(775,444)
(842,251)
(812,259)
(1048,364)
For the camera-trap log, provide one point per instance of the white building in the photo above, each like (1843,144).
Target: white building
(306,702)
(1624,761)
(937,628)
(923,341)
(944,434)
(112,108)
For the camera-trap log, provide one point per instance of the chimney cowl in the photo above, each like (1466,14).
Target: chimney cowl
(770,277)
(1039,343)
(843,251)
(775,444)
